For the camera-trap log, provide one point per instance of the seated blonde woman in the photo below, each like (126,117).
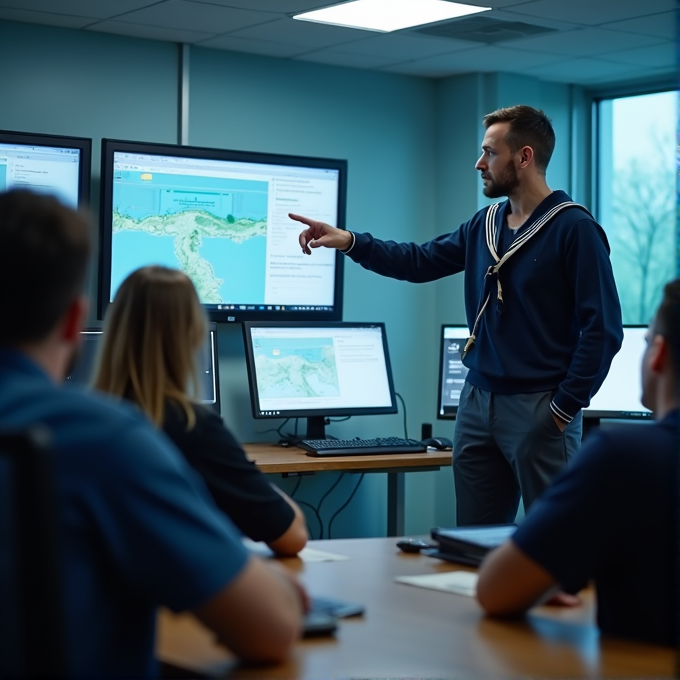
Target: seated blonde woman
(152,332)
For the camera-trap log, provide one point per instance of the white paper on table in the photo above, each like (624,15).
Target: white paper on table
(313,555)
(306,554)
(459,582)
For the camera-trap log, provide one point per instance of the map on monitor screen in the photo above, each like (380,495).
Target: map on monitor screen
(206,228)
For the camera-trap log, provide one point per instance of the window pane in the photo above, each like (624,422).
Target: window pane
(636,200)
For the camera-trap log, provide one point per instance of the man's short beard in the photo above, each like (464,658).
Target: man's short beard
(506,183)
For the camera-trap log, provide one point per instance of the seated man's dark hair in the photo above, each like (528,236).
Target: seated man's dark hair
(44,249)
(528,127)
(667,324)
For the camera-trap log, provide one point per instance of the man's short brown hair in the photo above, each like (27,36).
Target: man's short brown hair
(44,249)
(528,127)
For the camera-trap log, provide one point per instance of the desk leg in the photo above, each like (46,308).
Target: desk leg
(395,503)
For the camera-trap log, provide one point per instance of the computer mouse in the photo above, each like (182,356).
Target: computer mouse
(412,545)
(439,443)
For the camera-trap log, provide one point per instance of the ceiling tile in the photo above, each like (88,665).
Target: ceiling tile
(347,60)
(303,33)
(593,12)
(195,17)
(30,17)
(97,9)
(270,49)
(421,70)
(657,56)
(402,46)
(584,71)
(150,32)
(488,59)
(583,42)
(659,25)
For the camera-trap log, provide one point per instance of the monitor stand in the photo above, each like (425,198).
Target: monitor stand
(316,429)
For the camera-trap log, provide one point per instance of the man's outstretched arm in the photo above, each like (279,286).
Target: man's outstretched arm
(510,583)
(258,614)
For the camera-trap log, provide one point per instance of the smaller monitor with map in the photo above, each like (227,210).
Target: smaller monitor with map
(46,164)
(317,371)
(222,217)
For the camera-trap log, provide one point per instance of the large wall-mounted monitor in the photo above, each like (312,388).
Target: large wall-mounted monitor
(82,372)
(318,370)
(452,372)
(222,217)
(47,164)
(619,396)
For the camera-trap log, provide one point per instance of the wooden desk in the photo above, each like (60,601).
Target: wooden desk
(293,461)
(413,632)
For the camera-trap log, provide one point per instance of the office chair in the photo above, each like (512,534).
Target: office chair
(39,617)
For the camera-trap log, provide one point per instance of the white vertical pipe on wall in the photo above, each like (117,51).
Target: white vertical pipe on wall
(183,94)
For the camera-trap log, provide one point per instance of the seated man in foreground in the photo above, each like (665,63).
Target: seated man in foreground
(137,528)
(611,516)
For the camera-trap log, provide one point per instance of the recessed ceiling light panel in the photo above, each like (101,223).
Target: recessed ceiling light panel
(389,15)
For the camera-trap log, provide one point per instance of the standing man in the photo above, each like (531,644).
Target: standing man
(542,307)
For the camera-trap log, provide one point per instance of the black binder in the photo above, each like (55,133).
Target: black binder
(468,545)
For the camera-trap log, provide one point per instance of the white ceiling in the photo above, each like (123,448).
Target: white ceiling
(592,42)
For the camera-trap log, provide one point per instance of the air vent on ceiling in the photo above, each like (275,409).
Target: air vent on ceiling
(484,30)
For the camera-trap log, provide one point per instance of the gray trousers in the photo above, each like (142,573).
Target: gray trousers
(504,446)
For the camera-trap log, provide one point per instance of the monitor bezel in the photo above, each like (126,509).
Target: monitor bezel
(212,333)
(83,144)
(323,412)
(603,414)
(111,146)
(453,415)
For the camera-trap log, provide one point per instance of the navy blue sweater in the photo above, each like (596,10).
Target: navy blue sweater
(559,325)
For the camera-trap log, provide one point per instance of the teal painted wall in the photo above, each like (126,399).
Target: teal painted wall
(411,145)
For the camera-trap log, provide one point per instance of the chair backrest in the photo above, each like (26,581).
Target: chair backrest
(40,615)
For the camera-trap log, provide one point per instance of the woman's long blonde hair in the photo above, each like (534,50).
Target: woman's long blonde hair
(152,332)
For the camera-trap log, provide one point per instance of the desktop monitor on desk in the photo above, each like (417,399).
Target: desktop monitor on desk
(318,370)
(619,396)
(451,370)
(46,164)
(221,216)
(207,365)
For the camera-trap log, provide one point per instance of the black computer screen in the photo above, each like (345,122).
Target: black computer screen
(208,365)
(46,164)
(619,396)
(452,372)
(222,217)
(318,370)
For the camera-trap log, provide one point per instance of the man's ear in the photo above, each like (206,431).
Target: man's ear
(526,155)
(73,320)
(658,354)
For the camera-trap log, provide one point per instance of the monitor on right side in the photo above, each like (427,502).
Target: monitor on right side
(619,396)
(452,373)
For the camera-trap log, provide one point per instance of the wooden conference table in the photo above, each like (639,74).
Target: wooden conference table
(292,461)
(413,632)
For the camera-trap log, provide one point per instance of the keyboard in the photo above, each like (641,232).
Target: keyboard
(361,447)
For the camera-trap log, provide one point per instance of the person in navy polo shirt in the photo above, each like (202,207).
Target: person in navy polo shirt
(612,515)
(137,528)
